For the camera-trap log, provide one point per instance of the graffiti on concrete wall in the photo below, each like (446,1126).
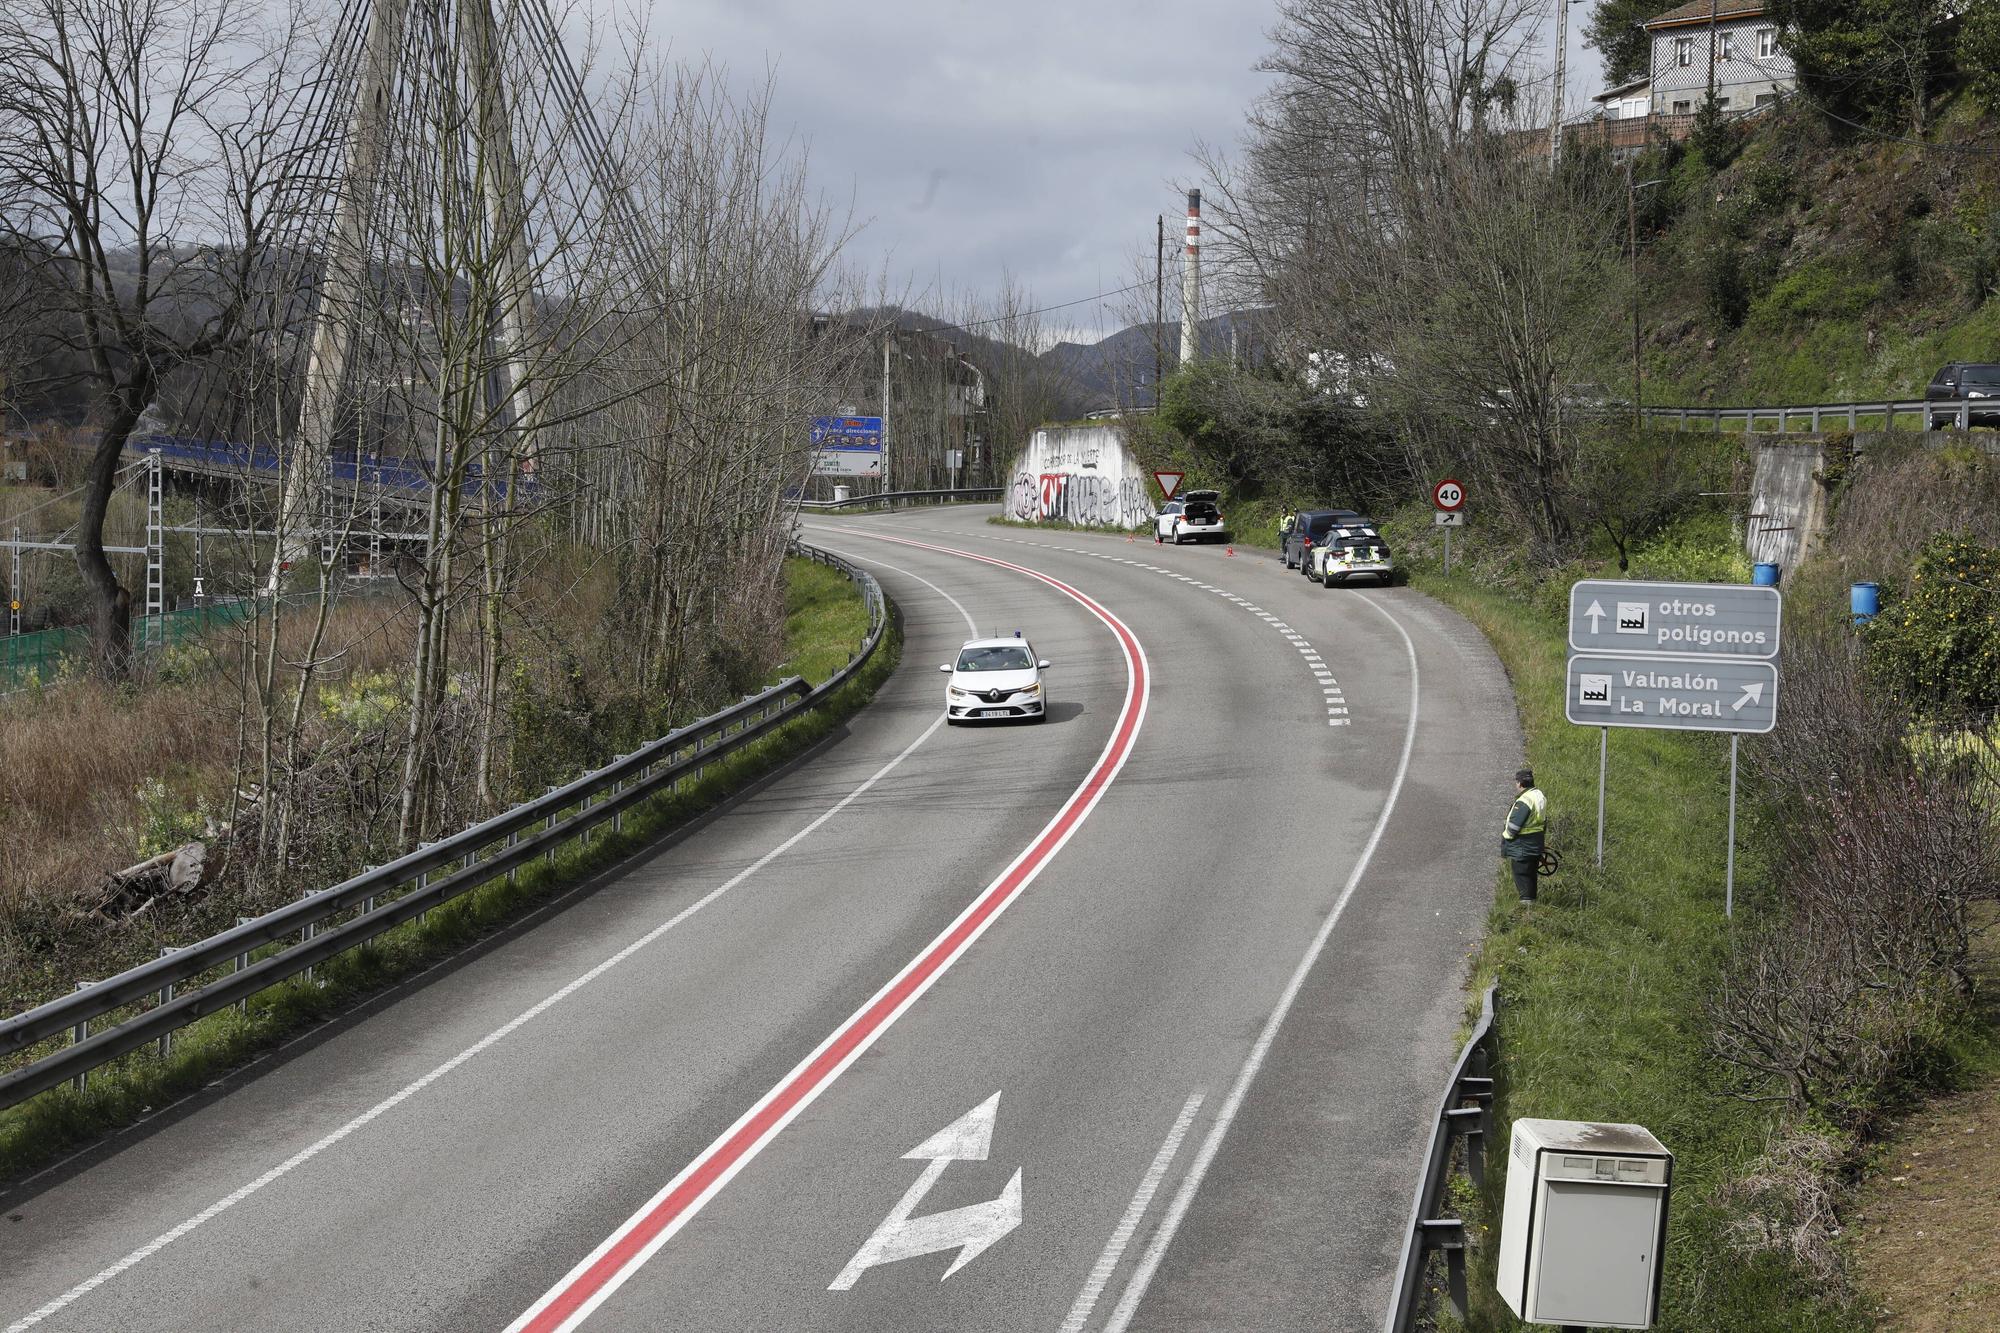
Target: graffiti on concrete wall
(1082,475)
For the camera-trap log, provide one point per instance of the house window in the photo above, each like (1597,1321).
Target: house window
(1765,99)
(1683,51)
(1684,108)
(1726,47)
(1767,43)
(1722,104)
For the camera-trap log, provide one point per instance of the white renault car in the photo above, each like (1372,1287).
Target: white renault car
(995,678)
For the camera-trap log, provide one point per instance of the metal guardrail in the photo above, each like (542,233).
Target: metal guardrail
(893,498)
(221,967)
(1465,1113)
(1934,412)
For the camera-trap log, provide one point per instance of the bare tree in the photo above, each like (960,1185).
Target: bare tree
(145,143)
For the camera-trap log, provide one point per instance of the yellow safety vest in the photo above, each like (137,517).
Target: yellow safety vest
(1538,814)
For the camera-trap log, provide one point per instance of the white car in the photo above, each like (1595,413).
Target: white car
(1346,554)
(995,678)
(1195,517)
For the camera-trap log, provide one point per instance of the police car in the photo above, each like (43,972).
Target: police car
(1349,553)
(995,678)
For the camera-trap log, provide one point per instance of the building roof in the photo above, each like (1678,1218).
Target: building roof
(1702,11)
(1623,90)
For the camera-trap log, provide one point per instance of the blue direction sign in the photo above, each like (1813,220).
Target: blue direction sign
(847,432)
(847,446)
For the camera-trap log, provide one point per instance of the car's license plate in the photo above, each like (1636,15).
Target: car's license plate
(990,712)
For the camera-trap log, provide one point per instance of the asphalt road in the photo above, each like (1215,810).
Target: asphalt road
(1138,1015)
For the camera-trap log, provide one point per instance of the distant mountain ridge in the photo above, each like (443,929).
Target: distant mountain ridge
(1117,370)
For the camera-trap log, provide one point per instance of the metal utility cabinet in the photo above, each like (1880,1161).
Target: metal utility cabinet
(1584,1231)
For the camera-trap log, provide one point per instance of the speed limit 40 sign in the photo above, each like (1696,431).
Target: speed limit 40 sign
(1448,496)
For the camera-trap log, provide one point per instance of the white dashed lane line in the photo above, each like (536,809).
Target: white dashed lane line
(1331,695)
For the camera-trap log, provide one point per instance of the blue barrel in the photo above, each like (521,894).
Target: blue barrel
(1764,574)
(1864,600)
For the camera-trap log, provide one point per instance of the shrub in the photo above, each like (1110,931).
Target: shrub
(165,820)
(1937,644)
(1979,52)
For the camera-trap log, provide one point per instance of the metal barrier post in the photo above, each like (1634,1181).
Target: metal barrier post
(77,1036)
(306,933)
(165,1045)
(242,961)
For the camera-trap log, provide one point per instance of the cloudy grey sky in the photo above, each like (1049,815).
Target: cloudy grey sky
(1036,136)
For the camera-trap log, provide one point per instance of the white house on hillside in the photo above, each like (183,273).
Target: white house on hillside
(1737,38)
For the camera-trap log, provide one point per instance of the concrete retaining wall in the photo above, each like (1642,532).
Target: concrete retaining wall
(1079,474)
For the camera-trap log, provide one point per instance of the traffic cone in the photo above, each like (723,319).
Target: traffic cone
(1229,550)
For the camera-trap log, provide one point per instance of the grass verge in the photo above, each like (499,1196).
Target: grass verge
(1603,982)
(826,620)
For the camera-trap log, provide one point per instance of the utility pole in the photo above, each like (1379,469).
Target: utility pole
(1556,106)
(1632,244)
(888,345)
(1711,51)
(1159,302)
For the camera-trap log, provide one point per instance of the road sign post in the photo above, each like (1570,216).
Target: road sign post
(1448,497)
(1674,657)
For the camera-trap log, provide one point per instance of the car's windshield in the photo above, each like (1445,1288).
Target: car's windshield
(1317,524)
(1986,377)
(1004,658)
(1172,507)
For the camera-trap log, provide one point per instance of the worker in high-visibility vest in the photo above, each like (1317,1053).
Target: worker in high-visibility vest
(1285,526)
(1526,833)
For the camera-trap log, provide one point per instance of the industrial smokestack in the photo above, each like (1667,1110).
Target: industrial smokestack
(1191,278)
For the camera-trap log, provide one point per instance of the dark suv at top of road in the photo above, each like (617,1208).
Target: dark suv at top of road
(1310,530)
(1971,381)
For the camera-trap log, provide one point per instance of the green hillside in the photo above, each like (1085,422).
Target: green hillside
(1791,259)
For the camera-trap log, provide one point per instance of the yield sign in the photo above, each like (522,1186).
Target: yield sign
(1169,482)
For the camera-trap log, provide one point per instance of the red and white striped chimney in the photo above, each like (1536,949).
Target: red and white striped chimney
(1191,279)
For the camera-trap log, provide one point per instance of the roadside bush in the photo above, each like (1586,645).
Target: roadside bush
(1853,977)
(1979,52)
(1937,643)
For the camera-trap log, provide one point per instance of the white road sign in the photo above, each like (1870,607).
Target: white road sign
(1732,620)
(1449,518)
(1672,693)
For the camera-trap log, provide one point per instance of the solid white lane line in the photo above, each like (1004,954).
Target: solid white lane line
(383,1107)
(642,1235)
(1135,1290)
(1128,1225)
(970,623)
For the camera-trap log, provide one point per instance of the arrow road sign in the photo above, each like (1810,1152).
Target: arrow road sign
(970,1230)
(1450,518)
(1669,693)
(1730,620)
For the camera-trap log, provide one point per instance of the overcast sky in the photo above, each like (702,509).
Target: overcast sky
(1035,136)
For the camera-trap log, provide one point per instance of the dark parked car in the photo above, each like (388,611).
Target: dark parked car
(1311,529)
(1971,381)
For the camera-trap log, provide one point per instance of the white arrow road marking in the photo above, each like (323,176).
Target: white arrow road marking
(1596,613)
(1752,694)
(970,1230)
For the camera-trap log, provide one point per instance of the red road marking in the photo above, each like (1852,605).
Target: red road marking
(571,1300)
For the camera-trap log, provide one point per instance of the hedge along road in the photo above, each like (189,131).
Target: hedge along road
(1113,1008)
